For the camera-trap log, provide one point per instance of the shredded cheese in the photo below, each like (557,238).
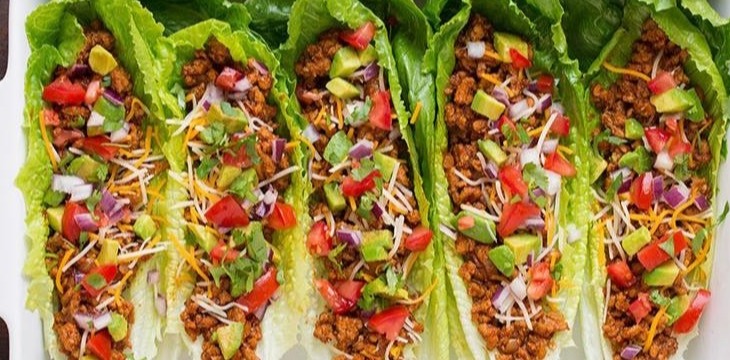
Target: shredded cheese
(416,112)
(49,148)
(652,330)
(625,71)
(491,78)
(120,286)
(189,258)
(63,262)
(677,211)
(422,297)
(340,121)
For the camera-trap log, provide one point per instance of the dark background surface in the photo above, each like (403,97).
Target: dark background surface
(3,42)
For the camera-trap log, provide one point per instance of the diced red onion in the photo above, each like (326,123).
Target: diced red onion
(549,146)
(206,105)
(66,183)
(311,133)
(530,259)
(538,192)
(499,297)
(113,97)
(153,276)
(625,186)
(701,203)
(630,352)
(378,210)
(260,67)
(212,95)
(500,94)
(102,321)
(491,170)
(77,71)
(119,135)
(530,156)
(107,202)
(535,223)
(676,195)
(95,120)
(554,181)
(368,73)
(78,277)
(518,287)
(86,222)
(266,205)
(476,49)
(161,305)
(557,108)
(362,149)
(518,108)
(84,321)
(242,85)
(277,150)
(351,237)
(658,187)
(81,192)
(664,161)
(544,102)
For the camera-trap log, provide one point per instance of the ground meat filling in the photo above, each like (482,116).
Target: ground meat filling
(629,97)
(465,128)
(349,332)
(199,74)
(68,124)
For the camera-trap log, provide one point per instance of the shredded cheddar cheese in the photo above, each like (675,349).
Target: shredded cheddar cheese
(535,132)
(340,121)
(423,295)
(49,147)
(625,71)
(652,330)
(351,200)
(416,112)
(492,55)
(64,260)
(189,258)
(120,286)
(681,208)
(491,78)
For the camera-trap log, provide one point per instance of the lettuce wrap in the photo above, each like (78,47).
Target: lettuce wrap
(547,294)
(374,270)
(89,84)
(654,172)
(238,195)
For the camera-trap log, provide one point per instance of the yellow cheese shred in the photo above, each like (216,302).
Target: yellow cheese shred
(416,112)
(491,78)
(147,145)
(535,132)
(625,71)
(340,121)
(351,200)
(681,208)
(49,147)
(189,258)
(64,260)
(423,295)
(120,286)
(652,329)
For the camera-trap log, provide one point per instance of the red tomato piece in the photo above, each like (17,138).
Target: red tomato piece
(505,121)
(680,242)
(108,272)
(338,303)
(514,216)
(511,177)
(51,118)
(236,154)
(677,146)
(221,252)
(689,319)
(664,81)
(640,307)
(642,191)
(360,38)
(419,239)
(93,91)
(63,92)
(651,256)
(620,274)
(541,281)
(544,83)
(100,345)
(559,165)
(657,138)
(283,217)
(390,321)
(518,60)
(263,289)
(319,241)
(354,188)
(100,145)
(228,78)
(380,113)
(228,213)
(69,228)
(561,125)
(350,289)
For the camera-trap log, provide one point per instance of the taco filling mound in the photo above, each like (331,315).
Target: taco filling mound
(504,165)
(366,230)
(99,204)
(237,171)
(655,216)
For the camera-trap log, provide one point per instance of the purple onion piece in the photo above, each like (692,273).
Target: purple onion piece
(378,210)
(518,108)
(676,195)
(544,102)
(625,186)
(501,95)
(530,259)
(77,71)
(366,74)
(311,133)
(153,276)
(532,87)
(518,287)
(261,311)
(260,67)
(86,222)
(630,352)
(536,223)
(78,277)
(161,304)
(102,321)
(113,97)
(107,202)
(242,85)
(549,146)
(658,187)
(351,237)
(362,149)
(499,297)
(491,170)
(206,105)
(701,203)
(84,321)
(65,183)
(277,150)
(558,108)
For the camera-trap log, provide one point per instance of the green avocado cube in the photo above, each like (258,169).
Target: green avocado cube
(101,61)
(476,227)
(229,338)
(109,252)
(227,175)
(503,259)
(503,42)
(113,115)
(368,55)
(664,275)
(117,327)
(335,200)
(522,245)
(633,242)
(145,227)
(345,62)
(88,169)
(696,113)
(633,129)
(677,306)
(484,104)
(55,218)
(493,151)
(599,166)
(337,148)
(672,101)
(638,160)
(375,245)
(342,89)
(205,238)
(232,118)
(385,164)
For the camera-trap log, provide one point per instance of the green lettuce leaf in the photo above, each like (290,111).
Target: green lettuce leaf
(179,14)
(269,18)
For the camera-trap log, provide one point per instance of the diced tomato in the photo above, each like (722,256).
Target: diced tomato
(93,91)
(544,83)
(354,188)
(651,256)
(228,213)
(642,191)
(505,121)
(350,289)
(100,345)
(319,241)
(236,153)
(69,228)
(664,81)
(338,303)
(50,117)
(680,242)
(360,38)
(263,289)
(283,217)
(689,319)
(561,125)
(518,60)
(558,164)
(419,239)
(390,321)
(511,178)
(514,216)
(677,146)
(657,138)
(541,281)
(63,92)
(221,252)
(228,78)
(620,274)
(380,113)
(99,145)
(108,272)
(640,307)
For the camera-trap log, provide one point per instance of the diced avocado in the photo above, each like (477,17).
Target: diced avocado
(53,198)
(633,242)
(345,62)
(485,104)
(385,164)
(522,246)
(677,306)
(663,275)
(87,168)
(118,327)
(379,287)
(493,151)
(55,218)
(672,101)
(335,200)
(112,113)
(232,118)
(599,166)
(205,238)
(368,55)
(101,61)
(145,227)
(227,175)
(638,160)
(476,227)
(245,235)
(633,129)
(375,245)
(108,253)
(696,113)
(95,130)
(229,338)
(337,148)
(503,42)
(342,89)
(503,259)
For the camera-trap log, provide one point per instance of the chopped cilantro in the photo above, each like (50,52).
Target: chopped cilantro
(366,167)
(360,114)
(657,298)
(244,185)
(93,200)
(699,240)
(681,167)
(53,198)
(615,185)
(337,148)
(535,176)
(332,255)
(213,134)
(638,160)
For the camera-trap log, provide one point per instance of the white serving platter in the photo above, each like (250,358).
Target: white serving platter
(26,341)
